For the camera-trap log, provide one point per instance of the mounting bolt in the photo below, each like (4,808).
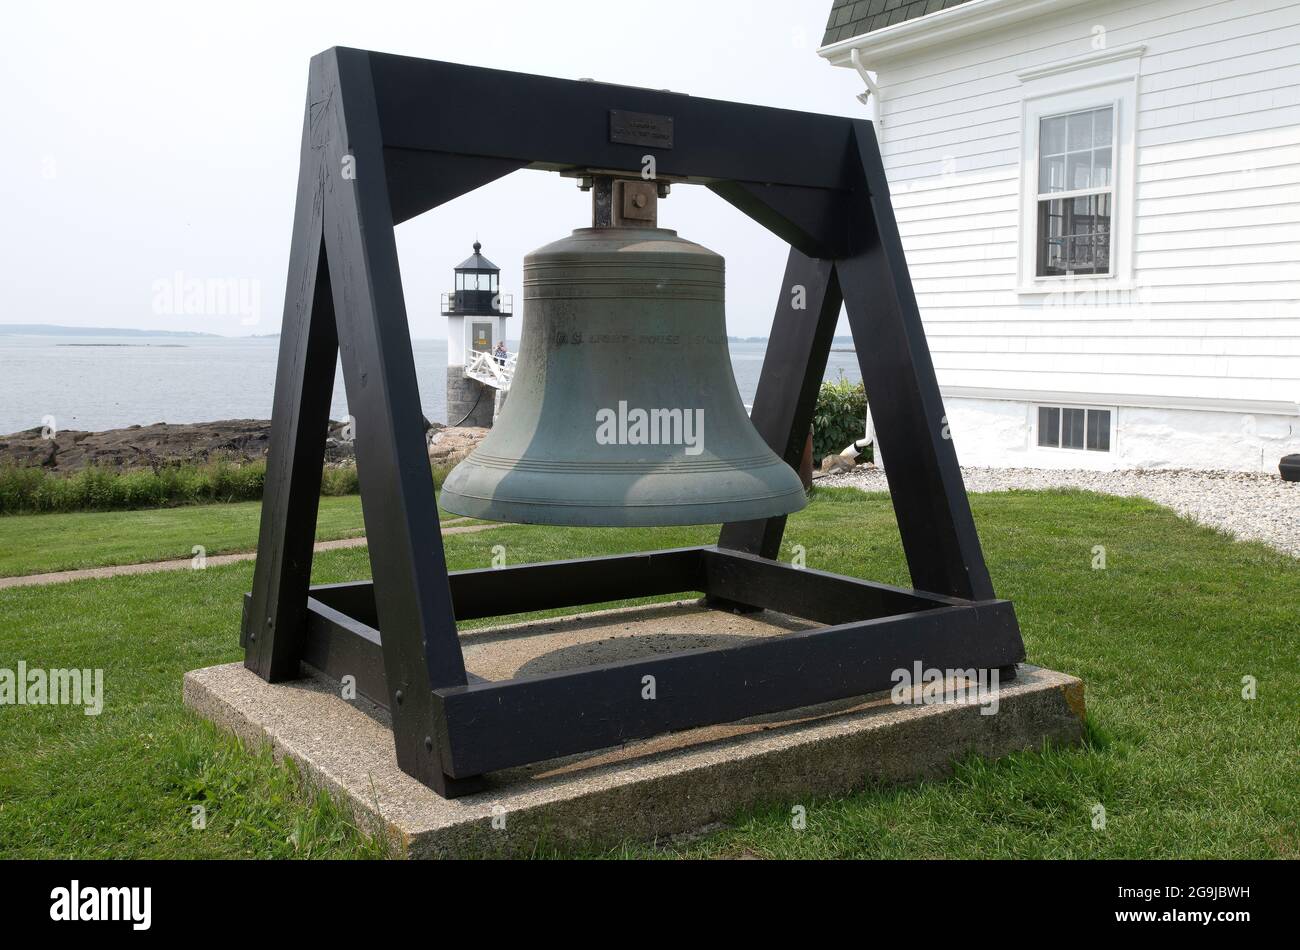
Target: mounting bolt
(399,697)
(665,189)
(584,183)
(428,743)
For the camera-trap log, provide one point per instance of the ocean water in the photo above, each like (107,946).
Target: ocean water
(99,383)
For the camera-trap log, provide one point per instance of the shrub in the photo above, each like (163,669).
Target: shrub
(102,489)
(340,480)
(19,487)
(840,416)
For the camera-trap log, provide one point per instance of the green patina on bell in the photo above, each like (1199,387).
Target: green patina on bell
(623,410)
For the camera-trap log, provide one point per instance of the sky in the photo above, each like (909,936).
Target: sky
(153,148)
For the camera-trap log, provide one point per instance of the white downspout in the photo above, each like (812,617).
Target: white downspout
(855,57)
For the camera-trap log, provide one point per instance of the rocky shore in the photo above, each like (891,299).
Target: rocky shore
(164,444)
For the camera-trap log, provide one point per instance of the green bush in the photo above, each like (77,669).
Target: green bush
(103,489)
(340,480)
(840,417)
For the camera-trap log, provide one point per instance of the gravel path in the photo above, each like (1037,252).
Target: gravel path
(1260,507)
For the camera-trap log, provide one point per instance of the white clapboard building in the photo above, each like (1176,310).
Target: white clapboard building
(1100,206)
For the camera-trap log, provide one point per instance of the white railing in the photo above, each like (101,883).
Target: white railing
(489,371)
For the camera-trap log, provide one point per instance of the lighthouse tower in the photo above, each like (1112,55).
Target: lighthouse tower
(476,312)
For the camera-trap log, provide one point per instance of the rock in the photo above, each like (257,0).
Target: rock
(448,445)
(153,446)
(233,440)
(835,464)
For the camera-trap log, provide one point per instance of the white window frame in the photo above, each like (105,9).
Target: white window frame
(1105,78)
(1108,190)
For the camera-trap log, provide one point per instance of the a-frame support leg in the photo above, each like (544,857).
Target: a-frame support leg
(934,519)
(358,308)
(275,614)
(421,649)
(793,367)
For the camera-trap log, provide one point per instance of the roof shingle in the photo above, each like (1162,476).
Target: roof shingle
(851,18)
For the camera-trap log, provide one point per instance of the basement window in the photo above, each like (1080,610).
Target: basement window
(1063,427)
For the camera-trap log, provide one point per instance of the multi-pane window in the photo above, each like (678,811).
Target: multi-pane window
(1075,176)
(1066,428)
(475,281)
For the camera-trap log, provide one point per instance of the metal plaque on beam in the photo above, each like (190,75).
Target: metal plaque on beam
(640,128)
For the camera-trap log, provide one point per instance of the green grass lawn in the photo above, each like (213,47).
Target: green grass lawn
(1162,637)
(37,544)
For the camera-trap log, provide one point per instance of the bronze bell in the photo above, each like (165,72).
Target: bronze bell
(623,410)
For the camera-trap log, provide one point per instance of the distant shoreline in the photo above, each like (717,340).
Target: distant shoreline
(58,330)
(156,345)
(98,384)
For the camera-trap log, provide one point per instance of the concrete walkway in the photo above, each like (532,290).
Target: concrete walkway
(186,564)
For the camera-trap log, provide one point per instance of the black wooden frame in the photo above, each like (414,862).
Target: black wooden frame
(386,138)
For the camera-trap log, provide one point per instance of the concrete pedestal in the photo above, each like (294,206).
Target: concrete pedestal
(469,402)
(642,790)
